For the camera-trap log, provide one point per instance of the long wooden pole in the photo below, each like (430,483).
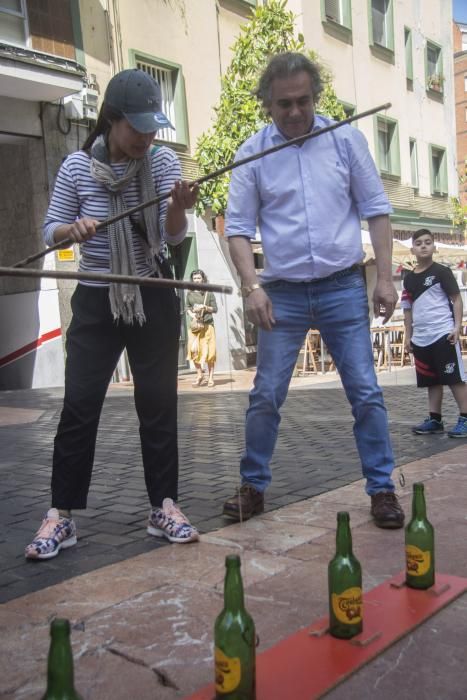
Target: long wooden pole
(210,176)
(109,277)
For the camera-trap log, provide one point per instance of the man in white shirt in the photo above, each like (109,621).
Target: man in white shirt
(308,201)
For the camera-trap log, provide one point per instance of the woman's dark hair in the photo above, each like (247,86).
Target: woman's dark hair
(106,116)
(198,272)
(283,65)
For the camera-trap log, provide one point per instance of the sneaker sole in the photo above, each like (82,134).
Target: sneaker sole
(70,542)
(428,432)
(457,436)
(156,532)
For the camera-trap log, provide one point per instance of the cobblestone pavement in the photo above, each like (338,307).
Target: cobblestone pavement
(315,453)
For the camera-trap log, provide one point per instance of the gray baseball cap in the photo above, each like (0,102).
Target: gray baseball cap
(138,97)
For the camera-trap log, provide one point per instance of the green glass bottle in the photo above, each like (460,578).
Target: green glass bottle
(419,544)
(234,640)
(345,585)
(60,677)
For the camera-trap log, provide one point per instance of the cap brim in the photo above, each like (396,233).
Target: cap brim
(148,121)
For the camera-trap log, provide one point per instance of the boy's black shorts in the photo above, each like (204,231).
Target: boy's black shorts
(438,363)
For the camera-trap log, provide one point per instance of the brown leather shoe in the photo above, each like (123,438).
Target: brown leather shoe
(386,510)
(246,503)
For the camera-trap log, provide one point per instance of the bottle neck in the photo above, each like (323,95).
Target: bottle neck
(60,663)
(418,503)
(343,537)
(233,587)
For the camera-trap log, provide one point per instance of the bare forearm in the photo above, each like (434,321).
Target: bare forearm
(408,323)
(183,196)
(175,221)
(385,293)
(381,240)
(457,308)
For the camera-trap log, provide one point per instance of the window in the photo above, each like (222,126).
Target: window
(413,163)
(170,78)
(465,83)
(434,68)
(338,11)
(336,17)
(438,170)
(387,146)
(13,23)
(382,23)
(408,54)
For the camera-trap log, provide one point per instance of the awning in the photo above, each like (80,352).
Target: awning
(401,255)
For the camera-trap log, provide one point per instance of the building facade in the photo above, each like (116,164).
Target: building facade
(56,57)
(460,87)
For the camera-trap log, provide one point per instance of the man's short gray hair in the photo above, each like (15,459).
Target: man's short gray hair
(283,65)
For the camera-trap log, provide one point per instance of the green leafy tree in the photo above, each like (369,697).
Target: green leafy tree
(239,114)
(459,212)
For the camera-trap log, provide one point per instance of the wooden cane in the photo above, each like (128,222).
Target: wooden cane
(109,277)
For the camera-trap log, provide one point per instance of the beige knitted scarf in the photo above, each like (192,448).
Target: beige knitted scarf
(125,299)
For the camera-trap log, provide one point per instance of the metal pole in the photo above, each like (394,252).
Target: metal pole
(210,176)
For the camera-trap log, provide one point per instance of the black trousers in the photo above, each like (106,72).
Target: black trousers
(94,344)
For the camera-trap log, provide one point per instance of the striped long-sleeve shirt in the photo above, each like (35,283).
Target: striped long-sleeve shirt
(77,194)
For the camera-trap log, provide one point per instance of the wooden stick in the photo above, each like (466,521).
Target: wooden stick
(210,176)
(104,277)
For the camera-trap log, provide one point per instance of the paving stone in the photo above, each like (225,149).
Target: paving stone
(315,454)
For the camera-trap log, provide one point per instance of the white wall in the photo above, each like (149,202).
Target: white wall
(214,260)
(26,321)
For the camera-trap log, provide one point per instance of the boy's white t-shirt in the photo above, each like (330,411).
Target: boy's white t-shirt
(428,294)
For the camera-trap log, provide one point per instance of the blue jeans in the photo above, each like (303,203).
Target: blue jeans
(339,310)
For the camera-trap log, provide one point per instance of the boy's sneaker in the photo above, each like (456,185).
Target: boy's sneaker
(55,533)
(170,522)
(430,426)
(460,429)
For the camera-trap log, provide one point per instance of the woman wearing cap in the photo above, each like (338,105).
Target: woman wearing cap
(117,169)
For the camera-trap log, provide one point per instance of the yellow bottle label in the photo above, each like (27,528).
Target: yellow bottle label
(347,606)
(228,672)
(418,562)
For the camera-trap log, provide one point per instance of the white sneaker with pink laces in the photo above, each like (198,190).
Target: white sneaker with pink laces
(55,533)
(170,522)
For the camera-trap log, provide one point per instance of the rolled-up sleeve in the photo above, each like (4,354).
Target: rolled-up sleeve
(365,183)
(243,200)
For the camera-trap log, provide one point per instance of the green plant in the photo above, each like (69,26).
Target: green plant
(459,215)
(435,82)
(458,211)
(238,114)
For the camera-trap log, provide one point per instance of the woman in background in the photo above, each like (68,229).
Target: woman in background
(200,306)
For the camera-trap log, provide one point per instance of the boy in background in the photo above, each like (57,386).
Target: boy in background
(433,317)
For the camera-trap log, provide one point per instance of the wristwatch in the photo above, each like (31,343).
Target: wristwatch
(246,291)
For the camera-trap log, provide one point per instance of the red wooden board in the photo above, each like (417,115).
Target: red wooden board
(311,662)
